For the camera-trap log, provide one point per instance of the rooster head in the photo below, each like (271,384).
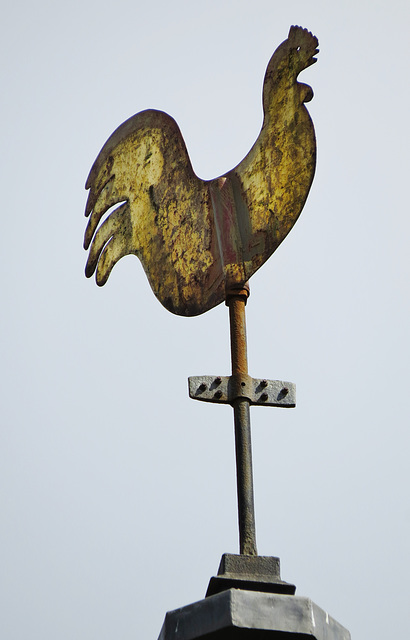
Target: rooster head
(294,55)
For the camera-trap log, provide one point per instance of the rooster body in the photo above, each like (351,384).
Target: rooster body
(196,238)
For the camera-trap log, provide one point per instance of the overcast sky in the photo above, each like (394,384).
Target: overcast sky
(118,491)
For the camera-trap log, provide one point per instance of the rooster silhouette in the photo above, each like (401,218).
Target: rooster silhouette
(196,238)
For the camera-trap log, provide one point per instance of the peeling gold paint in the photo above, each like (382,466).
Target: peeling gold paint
(196,238)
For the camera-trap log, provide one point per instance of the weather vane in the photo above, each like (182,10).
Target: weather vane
(200,241)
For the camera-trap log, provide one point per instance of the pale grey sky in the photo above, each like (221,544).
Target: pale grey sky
(118,491)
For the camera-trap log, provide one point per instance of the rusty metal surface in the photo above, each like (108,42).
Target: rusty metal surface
(198,238)
(259,391)
(236,301)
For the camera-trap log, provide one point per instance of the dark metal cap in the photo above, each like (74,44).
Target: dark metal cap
(251,573)
(245,615)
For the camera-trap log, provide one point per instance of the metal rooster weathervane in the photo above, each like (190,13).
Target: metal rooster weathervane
(200,241)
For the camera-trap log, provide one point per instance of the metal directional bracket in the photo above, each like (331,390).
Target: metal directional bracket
(227,389)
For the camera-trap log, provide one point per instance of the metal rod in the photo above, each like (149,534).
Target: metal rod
(236,301)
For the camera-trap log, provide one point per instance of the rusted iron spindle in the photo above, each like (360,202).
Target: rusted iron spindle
(236,301)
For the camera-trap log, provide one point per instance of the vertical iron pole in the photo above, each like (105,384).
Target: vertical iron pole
(236,301)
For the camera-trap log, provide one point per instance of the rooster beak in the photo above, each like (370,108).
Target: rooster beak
(312,60)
